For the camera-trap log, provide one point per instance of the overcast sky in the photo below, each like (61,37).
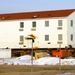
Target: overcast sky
(13,6)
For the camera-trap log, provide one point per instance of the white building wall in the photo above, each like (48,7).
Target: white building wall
(5,53)
(10,34)
(52,31)
(71,30)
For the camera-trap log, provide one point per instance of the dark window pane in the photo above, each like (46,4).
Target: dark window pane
(33,24)
(21,24)
(46,37)
(46,23)
(59,22)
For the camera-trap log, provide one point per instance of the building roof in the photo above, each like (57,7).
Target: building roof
(39,14)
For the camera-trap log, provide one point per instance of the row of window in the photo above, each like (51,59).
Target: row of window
(60,37)
(60,23)
(33,24)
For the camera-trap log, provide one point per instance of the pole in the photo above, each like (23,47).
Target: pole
(32,59)
(32,40)
(59,59)
(32,54)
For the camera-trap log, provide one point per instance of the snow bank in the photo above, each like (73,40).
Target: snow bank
(48,61)
(70,61)
(26,60)
(22,60)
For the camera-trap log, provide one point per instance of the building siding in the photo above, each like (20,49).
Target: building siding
(71,29)
(10,33)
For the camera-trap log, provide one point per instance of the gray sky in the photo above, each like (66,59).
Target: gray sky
(13,6)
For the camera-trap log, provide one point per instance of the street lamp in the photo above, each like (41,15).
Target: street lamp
(31,37)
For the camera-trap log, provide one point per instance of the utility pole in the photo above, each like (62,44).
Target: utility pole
(59,59)
(31,37)
(60,42)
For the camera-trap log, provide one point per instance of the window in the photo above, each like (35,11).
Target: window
(46,37)
(71,23)
(33,24)
(21,38)
(71,37)
(46,23)
(59,37)
(21,24)
(59,22)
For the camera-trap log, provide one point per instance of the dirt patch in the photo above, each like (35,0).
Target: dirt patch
(36,70)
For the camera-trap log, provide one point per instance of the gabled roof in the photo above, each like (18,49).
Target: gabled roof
(39,14)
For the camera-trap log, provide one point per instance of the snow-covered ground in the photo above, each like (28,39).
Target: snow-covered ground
(66,74)
(26,60)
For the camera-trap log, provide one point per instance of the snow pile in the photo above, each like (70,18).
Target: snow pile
(23,60)
(48,61)
(26,60)
(70,61)
(26,57)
